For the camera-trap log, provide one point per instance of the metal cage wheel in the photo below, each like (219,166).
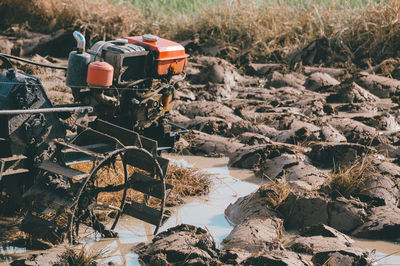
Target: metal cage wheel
(114,181)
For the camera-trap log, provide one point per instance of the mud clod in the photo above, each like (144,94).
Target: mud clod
(382,223)
(183,244)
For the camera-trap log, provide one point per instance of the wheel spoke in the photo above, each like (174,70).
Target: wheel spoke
(115,186)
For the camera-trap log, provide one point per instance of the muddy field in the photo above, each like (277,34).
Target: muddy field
(325,140)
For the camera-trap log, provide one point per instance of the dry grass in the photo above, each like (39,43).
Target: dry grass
(9,230)
(187,182)
(350,181)
(274,193)
(112,174)
(270,30)
(82,257)
(359,32)
(98,18)
(371,35)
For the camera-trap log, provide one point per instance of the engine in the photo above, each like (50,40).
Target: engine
(128,81)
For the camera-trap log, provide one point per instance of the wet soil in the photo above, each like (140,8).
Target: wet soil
(298,131)
(304,131)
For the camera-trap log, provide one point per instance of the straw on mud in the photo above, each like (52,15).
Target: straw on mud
(83,257)
(9,231)
(187,182)
(275,192)
(350,181)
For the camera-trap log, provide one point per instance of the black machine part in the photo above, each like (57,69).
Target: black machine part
(130,61)
(24,129)
(6,62)
(77,70)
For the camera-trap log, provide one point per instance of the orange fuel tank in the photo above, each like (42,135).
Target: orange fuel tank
(100,75)
(170,56)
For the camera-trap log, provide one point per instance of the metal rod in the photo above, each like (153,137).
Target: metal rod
(34,63)
(184,130)
(79,109)
(105,205)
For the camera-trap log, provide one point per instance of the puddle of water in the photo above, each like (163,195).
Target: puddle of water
(383,259)
(8,252)
(206,163)
(386,253)
(116,251)
(208,211)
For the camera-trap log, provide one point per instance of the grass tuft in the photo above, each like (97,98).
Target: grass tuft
(350,181)
(274,193)
(82,257)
